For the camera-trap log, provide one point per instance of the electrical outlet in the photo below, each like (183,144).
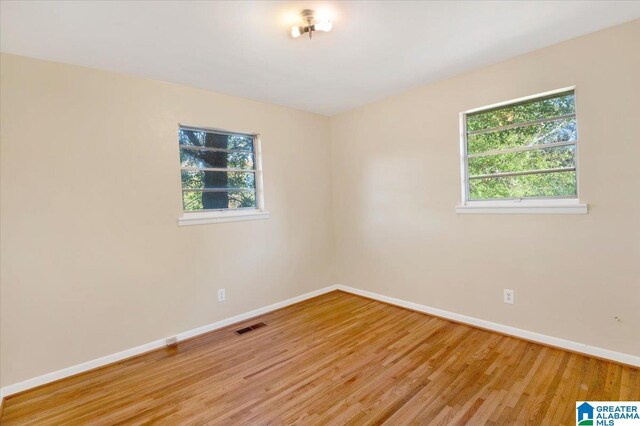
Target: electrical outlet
(222,296)
(508,296)
(171,341)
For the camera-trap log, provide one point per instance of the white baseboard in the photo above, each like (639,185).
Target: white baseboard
(500,328)
(504,329)
(109,359)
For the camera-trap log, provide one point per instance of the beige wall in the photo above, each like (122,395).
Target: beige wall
(93,261)
(396,182)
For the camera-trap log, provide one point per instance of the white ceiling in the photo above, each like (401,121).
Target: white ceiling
(242,48)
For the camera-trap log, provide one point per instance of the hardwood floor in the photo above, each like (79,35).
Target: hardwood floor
(335,359)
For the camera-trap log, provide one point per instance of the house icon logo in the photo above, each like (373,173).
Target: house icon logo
(584,416)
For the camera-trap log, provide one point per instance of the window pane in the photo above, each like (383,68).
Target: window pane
(217,180)
(527,111)
(244,199)
(559,184)
(197,200)
(219,159)
(537,134)
(215,140)
(539,159)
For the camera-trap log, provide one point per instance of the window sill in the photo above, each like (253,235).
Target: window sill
(203,218)
(546,207)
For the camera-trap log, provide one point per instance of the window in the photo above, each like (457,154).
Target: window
(522,154)
(221,176)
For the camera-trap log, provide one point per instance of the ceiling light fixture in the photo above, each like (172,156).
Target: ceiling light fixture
(312,25)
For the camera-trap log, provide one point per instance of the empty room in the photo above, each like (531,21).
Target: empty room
(319,212)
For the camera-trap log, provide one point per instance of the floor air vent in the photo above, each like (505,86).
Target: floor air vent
(251,327)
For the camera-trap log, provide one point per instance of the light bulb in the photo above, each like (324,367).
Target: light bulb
(325,25)
(295,32)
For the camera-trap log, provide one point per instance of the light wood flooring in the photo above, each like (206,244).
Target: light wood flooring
(332,360)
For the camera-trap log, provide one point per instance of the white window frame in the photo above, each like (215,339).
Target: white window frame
(549,205)
(229,215)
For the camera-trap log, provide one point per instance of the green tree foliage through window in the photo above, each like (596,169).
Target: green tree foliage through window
(523,150)
(217,170)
